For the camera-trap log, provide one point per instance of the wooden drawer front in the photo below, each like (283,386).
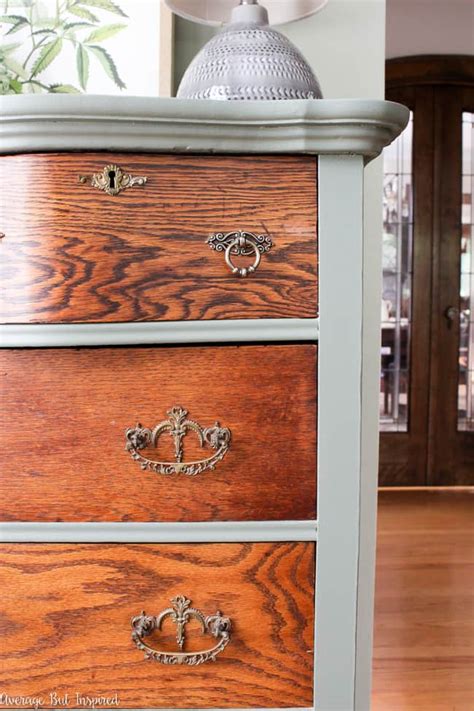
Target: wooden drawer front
(66,412)
(67,612)
(73,253)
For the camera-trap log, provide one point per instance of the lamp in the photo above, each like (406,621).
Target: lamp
(247,59)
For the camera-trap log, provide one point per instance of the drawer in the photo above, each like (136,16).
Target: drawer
(73,253)
(67,412)
(67,613)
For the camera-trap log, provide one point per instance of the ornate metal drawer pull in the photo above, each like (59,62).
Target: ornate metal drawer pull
(241,243)
(181,613)
(112,180)
(216,437)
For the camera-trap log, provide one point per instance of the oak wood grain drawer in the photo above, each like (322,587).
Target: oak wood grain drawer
(66,412)
(72,253)
(66,612)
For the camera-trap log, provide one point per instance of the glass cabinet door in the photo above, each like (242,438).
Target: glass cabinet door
(466,291)
(427,308)
(396,285)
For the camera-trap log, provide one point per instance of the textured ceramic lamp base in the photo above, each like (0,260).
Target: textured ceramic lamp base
(248,60)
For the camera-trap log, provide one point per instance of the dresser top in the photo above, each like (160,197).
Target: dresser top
(84,122)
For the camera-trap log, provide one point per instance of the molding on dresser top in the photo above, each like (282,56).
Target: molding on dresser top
(54,122)
(163,332)
(126,532)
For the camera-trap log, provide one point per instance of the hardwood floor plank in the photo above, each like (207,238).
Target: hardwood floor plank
(424,619)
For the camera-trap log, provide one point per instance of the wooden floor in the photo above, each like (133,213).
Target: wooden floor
(424,620)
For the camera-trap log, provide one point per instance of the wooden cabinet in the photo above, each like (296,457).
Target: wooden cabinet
(74,253)
(70,433)
(72,630)
(173,407)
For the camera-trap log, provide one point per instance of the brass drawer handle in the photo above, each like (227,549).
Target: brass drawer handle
(216,437)
(112,180)
(181,613)
(241,243)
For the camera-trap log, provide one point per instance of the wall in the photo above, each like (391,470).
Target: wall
(430,27)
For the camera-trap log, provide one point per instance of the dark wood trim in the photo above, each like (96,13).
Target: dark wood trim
(437,89)
(428,69)
(451,453)
(446,201)
(403,455)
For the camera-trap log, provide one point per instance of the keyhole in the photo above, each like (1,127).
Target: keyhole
(112,179)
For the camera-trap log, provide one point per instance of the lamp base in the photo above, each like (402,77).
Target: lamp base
(249,60)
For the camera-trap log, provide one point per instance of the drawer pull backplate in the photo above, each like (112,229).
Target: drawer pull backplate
(112,180)
(240,244)
(217,438)
(181,613)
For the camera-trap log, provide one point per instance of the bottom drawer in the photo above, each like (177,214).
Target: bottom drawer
(66,615)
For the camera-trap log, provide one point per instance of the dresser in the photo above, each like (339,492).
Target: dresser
(189,374)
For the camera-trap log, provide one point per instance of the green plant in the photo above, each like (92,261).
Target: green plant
(43,37)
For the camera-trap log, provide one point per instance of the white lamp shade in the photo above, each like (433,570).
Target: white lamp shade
(217,12)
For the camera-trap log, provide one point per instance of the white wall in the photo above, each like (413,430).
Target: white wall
(345,45)
(430,27)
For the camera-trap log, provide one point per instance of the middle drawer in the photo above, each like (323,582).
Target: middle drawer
(223,433)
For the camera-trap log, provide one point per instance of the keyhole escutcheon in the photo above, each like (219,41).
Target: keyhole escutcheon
(112,179)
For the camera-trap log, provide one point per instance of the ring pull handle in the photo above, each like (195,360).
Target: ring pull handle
(181,612)
(215,438)
(112,180)
(241,243)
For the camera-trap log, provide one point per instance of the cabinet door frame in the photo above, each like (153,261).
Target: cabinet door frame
(450,451)
(423,83)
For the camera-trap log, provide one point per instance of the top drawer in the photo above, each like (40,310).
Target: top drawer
(73,253)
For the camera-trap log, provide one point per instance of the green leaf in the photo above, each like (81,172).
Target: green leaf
(48,53)
(82,59)
(82,12)
(22,22)
(13,19)
(44,32)
(103,33)
(16,86)
(63,89)
(73,27)
(104,5)
(15,67)
(77,25)
(108,64)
